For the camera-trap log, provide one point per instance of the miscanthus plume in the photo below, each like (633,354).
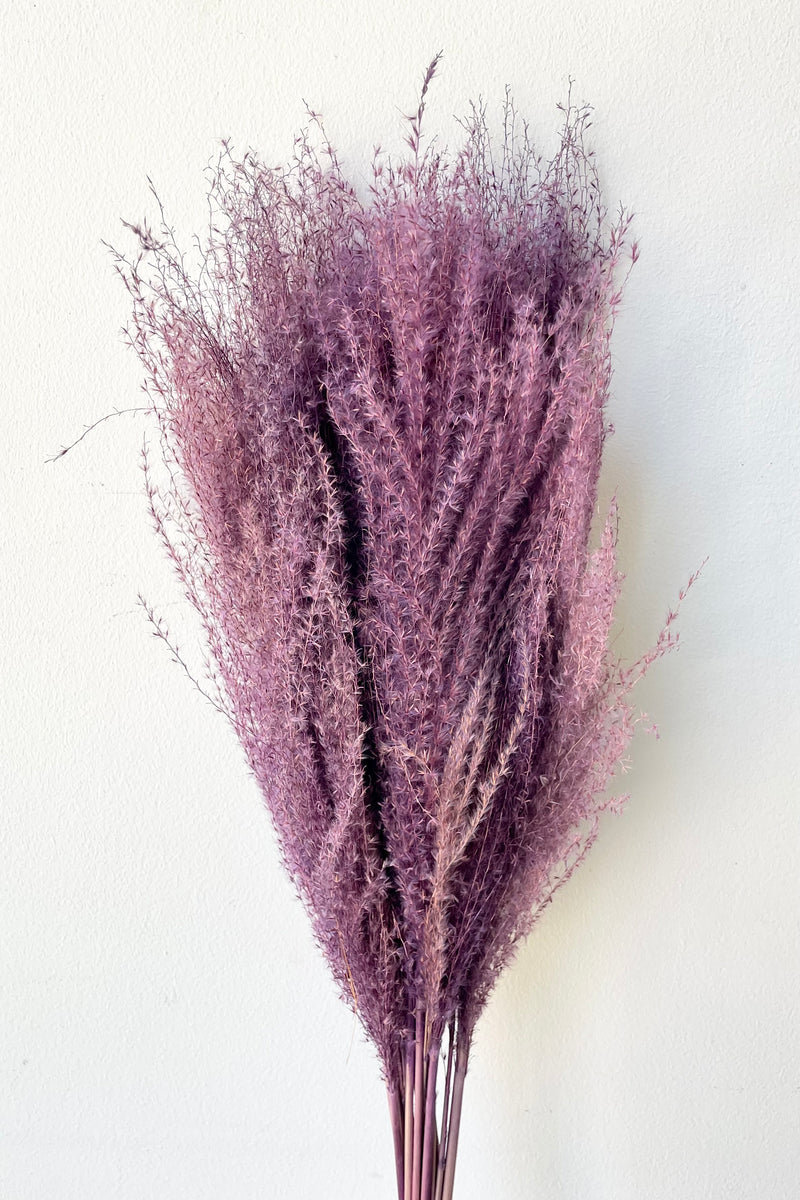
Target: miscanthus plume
(381,420)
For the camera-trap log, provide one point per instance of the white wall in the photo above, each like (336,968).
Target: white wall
(168,1028)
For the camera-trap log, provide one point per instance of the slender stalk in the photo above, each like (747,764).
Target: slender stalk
(419,1101)
(429,1141)
(396,1115)
(408,1135)
(462,1056)
(445,1112)
(435,1176)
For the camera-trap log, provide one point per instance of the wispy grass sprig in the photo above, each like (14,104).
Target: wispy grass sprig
(382,421)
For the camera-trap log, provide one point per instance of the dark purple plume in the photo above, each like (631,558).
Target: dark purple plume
(382,423)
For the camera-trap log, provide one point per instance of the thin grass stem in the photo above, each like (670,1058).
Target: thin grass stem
(408,1135)
(429,1141)
(419,1102)
(442,1149)
(462,1057)
(396,1116)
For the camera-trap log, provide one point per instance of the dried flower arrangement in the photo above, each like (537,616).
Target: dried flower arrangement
(382,424)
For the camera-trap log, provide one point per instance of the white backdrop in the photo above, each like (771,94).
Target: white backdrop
(169,1030)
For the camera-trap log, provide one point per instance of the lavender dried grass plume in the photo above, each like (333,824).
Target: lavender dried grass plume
(382,422)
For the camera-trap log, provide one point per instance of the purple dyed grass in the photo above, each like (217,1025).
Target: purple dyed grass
(382,425)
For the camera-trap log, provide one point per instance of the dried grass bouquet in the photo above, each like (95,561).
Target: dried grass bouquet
(382,421)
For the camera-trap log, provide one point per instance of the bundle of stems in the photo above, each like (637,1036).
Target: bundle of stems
(381,422)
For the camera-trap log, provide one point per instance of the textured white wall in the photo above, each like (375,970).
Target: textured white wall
(168,1028)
